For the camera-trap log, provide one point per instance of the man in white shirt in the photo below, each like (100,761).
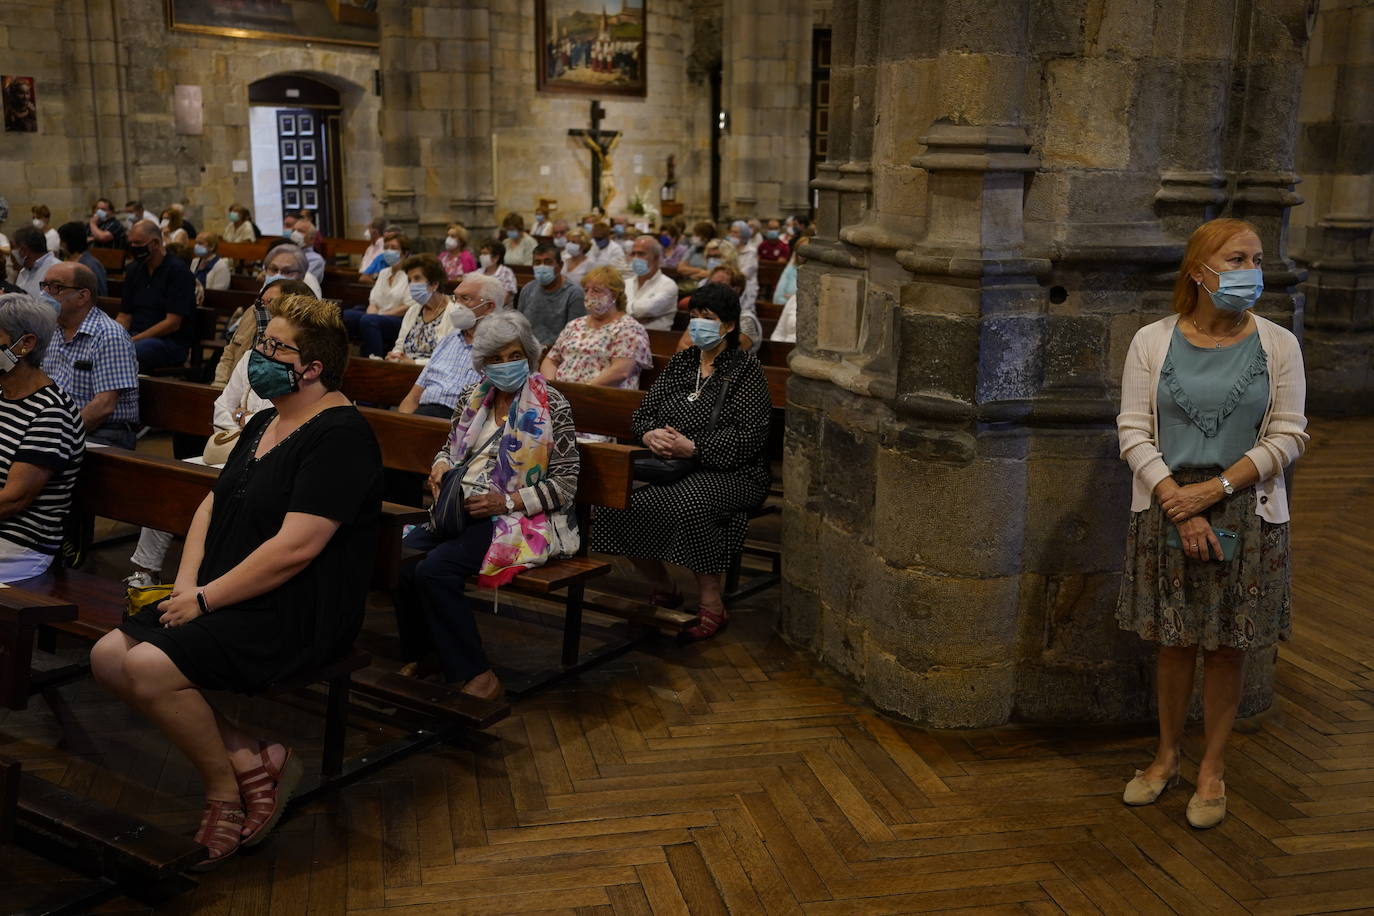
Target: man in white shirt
(650,296)
(33,257)
(604,251)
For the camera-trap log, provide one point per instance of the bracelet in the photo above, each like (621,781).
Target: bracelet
(204,605)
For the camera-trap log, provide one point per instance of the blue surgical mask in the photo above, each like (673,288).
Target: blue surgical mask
(512,233)
(234,216)
(51,300)
(639,266)
(390,256)
(771,234)
(270,379)
(559,241)
(602,243)
(619,230)
(420,292)
(1237,290)
(201,251)
(544,274)
(665,241)
(271,278)
(705,332)
(587,228)
(508,376)
(712,263)
(102,214)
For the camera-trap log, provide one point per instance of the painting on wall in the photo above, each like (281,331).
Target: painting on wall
(592,47)
(347,22)
(21,104)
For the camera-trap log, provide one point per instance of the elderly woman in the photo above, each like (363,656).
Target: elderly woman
(513,443)
(605,346)
(492,257)
(1211,414)
(42,441)
(378,322)
(212,271)
(272,581)
(239,228)
(456,258)
(519,245)
(427,322)
(700,520)
(575,260)
(288,262)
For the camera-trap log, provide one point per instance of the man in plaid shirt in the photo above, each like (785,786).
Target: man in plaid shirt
(91,358)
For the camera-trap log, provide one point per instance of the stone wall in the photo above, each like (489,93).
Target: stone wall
(1006,198)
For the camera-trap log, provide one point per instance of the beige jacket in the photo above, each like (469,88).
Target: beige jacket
(1281,434)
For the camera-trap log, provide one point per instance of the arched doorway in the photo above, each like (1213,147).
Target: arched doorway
(294,127)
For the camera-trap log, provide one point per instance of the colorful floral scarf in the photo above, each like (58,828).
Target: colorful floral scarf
(522,456)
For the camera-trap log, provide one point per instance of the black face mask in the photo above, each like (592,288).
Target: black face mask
(138,252)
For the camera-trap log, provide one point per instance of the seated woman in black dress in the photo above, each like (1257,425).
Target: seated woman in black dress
(700,521)
(514,437)
(272,580)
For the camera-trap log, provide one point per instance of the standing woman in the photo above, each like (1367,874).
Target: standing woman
(1211,414)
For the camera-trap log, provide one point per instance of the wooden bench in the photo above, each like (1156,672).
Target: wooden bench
(112,259)
(376,381)
(206,321)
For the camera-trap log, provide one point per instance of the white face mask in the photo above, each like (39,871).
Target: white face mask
(461,317)
(298,237)
(165,224)
(38,224)
(451,243)
(485,261)
(573,249)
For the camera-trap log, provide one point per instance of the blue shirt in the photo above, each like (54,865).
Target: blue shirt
(1211,402)
(99,357)
(448,371)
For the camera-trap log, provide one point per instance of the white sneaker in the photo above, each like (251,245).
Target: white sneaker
(141,579)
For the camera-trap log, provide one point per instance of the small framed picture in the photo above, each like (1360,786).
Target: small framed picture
(309,174)
(286,125)
(290,174)
(305,124)
(291,198)
(310,199)
(288,149)
(307,149)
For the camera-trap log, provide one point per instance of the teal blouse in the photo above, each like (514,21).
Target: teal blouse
(1211,402)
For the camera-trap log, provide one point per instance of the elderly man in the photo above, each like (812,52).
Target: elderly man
(604,251)
(33,258)
(304,234)
(289,261)
(159,303)
(550,300)
(650,296)
(449,369)
(134,212)
(91,358)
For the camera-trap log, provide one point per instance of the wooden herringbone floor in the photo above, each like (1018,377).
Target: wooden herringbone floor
(740,777)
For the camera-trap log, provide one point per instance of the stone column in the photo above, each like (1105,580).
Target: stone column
(767,92)
(436,116)
(1336,160)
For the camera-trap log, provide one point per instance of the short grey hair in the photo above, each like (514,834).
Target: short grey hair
(288,249)
(492,289)
(653,244)
(149,228)
(22,314)
(499,329)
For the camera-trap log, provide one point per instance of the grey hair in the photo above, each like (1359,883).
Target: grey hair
(294,251)
(500,329)
(149,228)
(492,290)
(654,245)
(22,314)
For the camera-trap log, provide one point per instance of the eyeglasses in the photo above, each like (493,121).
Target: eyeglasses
(54,287)
(470,300)
(268,346)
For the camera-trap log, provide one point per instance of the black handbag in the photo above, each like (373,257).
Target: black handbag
(661,472)
(447,516)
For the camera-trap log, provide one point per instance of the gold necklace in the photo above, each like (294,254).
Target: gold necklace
(1219,341)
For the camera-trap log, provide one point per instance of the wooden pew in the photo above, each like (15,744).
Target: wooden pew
(112,259)
(21,614)
(333,247)
(206,321)
(246,254)
(376,381)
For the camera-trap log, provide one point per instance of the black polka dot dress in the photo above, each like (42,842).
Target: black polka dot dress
(699,522)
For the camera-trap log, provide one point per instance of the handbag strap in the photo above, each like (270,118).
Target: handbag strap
(720,402)
(481,448)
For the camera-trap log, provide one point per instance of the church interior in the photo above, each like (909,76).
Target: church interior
(1000,371)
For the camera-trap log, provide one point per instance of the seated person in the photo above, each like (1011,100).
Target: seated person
(31,255)
(159,301)
(604,347)
(492,258)
(251,609)
(750,328)
(173,228)
(375,234)
(91,358)
(694,266)
(699,521)
(449,370)
(247,329)
(180,212)
(787,281)
(76,249)
(388,299)
(651,295)
(575,260)
(675,248)
(288,261)
(306,236)
(42,221)
(550,300)
(509,429)
(518,244)
(210,270)
(105,229)
(721,252)
(427,321)
(41,442)
(604,251)
(239,229)
(456,258)
(786,330)
(773,247)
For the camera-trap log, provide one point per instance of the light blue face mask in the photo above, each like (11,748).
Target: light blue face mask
(201,251)
(272,278)
(508,376)
(771,235)
(102,214)
(51,300)
(587,228)
(712,263)
(421,292)
(1237,290)
(705,332)
(639,266)
(544,274)
(512,233)
(390,256)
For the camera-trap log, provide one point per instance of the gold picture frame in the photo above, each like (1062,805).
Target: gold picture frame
(336,22)
(592,47)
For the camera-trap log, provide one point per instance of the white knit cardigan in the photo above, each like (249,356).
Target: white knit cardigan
(1281,434)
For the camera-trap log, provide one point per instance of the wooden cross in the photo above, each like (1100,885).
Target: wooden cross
(601,142)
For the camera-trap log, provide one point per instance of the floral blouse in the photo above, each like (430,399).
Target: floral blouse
(423,337)
(583,352)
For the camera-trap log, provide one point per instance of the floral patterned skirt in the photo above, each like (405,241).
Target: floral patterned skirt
(1171,599)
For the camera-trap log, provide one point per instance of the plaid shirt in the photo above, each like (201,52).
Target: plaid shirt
(448,371)
(99,357)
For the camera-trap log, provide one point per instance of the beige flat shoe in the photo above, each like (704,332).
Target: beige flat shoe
(1144,791)
(1204,813)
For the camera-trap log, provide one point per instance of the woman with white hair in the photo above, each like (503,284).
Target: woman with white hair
(514,449)
(288,262)
(42,442)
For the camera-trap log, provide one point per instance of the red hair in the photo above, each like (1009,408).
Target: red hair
(1206,241)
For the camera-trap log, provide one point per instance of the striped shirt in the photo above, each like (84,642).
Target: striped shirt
(448,371)
(43,429)
(100,357)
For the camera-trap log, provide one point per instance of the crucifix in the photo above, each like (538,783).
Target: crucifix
(601,143)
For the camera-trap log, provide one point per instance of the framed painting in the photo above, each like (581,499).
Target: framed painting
(345,22)
(592,47)
(20,103)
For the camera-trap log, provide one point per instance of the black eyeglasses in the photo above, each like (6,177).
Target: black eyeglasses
(54,287)
(268,346)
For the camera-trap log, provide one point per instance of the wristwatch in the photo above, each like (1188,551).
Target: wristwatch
(1226,485)
(510,504)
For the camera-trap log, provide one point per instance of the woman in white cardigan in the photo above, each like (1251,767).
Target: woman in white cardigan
(1212,402)
(427,321)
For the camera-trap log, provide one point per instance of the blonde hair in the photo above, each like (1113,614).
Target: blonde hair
(320,335)
(609,277)
(460,232)
(729,256)
(1205,241)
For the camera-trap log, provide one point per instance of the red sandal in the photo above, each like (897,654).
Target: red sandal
(709,623)
(221,832)
(266,790)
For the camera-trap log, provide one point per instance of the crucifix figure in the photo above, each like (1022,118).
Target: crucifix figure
(601,143)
